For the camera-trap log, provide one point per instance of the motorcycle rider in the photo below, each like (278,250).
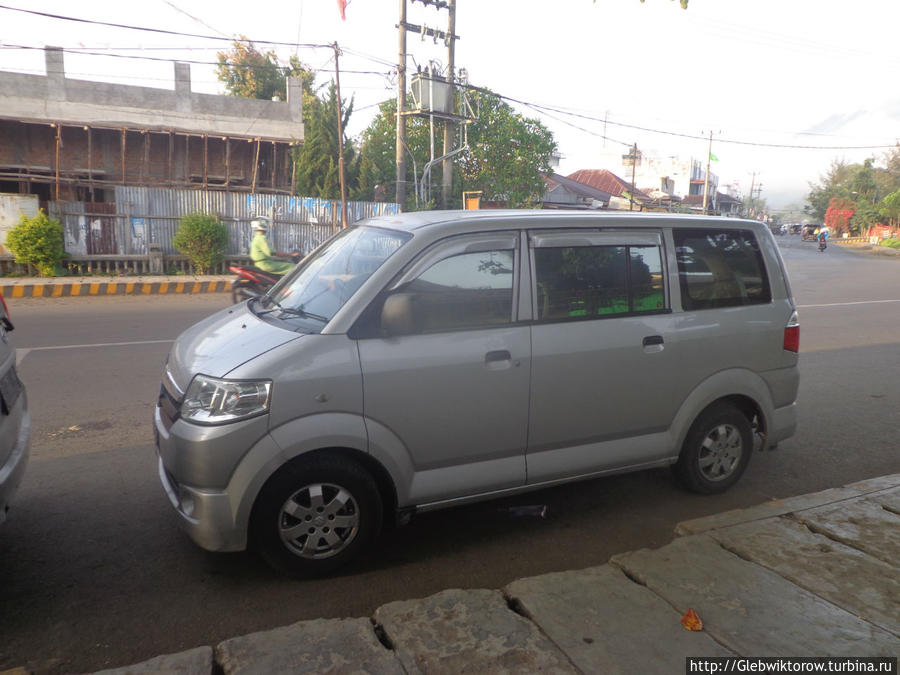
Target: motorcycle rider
(260,252)
(823,238)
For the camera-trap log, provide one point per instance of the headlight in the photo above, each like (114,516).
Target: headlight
(213,401)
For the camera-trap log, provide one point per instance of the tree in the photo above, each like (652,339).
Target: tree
(203,239)
(507,154)
(250,73)
(318,169)
(37,241)
(890,208)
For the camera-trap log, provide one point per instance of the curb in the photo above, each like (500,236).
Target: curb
(75,289)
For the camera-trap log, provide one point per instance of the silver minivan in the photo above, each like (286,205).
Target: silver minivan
(15,421)
(425,360)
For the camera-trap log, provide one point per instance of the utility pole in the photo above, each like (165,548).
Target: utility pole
(400,156)
(634,153)
(340,128)
(449,129)
(750,199)
(706,181)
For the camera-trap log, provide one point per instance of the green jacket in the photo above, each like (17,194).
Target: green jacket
(261,255)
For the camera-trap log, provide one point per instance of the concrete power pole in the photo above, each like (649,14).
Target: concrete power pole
(706,182)
(401,104)
(449,128)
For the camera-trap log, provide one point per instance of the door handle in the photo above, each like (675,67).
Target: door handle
(653,340)
(497,355)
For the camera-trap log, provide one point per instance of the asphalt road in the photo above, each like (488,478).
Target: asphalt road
(94,572)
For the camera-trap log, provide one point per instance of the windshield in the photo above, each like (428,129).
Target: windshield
(333,274)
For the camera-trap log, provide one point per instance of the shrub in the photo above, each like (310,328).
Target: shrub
(202,238)
(37,241)
(891,243)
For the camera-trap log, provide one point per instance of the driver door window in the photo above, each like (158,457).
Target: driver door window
(468,290)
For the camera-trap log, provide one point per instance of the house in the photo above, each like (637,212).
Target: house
(565,193)
(624,195)
(77,140)
(718,203)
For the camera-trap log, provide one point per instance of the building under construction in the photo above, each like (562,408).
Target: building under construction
(63,139)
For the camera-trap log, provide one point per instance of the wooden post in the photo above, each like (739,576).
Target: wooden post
(90,161)
(169,171)
(293,170)
(205,159)
(124,182)
(255,167)
(186,167)
(274,165)
(58,143)
(145,165)
(227,161)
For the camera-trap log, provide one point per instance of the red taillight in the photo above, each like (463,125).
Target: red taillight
(792,334)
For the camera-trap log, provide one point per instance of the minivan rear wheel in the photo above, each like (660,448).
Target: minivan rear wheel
(716,451)
(315,515)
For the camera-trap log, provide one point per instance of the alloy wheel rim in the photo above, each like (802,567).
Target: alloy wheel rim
(720,452)
(318,521)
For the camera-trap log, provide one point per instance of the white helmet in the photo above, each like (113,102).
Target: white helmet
(260,223)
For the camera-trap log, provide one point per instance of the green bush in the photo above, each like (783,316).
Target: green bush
(203,239)
(37,241)
(891,243)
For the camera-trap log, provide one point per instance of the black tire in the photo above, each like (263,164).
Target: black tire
(716,450)
(242,290)
(315,515)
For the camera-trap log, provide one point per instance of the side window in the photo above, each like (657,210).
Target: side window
(594,281)
(720,268)
(468,290)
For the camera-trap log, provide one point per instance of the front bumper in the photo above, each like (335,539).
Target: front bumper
(206,516)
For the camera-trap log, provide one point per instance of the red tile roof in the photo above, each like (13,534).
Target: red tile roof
(601,179)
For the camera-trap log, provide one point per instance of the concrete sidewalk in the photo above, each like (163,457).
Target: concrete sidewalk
(64,287)
(816,575)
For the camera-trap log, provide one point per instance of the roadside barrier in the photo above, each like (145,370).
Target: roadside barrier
(50,289)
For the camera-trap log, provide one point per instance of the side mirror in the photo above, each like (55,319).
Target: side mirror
(398,315)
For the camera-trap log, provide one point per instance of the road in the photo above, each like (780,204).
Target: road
(96,574)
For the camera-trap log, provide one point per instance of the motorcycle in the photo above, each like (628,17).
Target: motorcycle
(252,282)
(822,245)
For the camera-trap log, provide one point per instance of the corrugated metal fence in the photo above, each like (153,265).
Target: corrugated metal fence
(140,216)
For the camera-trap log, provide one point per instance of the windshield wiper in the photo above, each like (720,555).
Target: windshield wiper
(293,311)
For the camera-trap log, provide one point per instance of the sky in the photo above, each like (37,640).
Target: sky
(786,87)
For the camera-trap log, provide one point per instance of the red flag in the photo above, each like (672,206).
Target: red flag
(342,5)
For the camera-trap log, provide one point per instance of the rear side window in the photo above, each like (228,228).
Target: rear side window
(720,268)
(596,281)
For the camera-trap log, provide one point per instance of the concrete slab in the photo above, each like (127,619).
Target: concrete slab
(607,623)
(197,661)
(781,507)
(336,646)
(776,507)
(890,500)
(472,631)
(863,524)
(748,608)
(863,585)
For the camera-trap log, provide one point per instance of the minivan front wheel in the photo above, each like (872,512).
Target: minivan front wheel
(716,450)
(316,515)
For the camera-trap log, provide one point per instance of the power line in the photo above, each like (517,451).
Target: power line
(200,63)
(160,30)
